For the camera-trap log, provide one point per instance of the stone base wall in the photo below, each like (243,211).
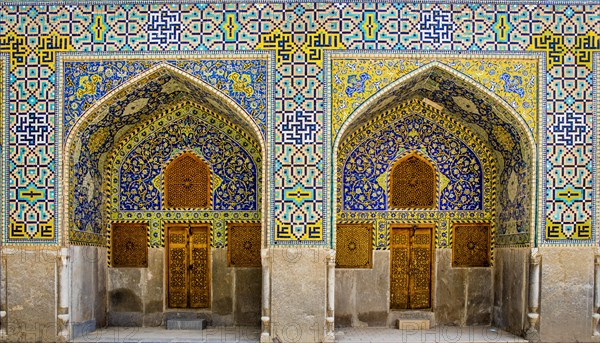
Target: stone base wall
(137,296)
(88,289)
(28,294)
(461,296)
(31,288)
(298,294)
(511,282)
(567,294)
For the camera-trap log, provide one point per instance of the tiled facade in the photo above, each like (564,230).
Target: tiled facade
(298,97)
(300,110)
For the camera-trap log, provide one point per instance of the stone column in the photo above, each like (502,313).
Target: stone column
(3,296)
(596,315)
(265,336)
(533,316)
(330,327)
(63,295)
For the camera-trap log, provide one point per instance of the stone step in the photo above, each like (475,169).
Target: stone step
(413,324)
(186,324)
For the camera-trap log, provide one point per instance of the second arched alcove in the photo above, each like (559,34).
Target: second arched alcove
(478,155)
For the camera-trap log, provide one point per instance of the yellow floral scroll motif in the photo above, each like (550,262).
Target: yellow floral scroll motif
(514,80)
(241,83)
(88,85)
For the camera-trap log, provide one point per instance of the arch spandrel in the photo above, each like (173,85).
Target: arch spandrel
(92,83)
(387,78)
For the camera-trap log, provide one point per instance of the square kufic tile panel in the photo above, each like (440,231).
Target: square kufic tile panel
(243,249)
(471,245)
(354,247)
(129,245)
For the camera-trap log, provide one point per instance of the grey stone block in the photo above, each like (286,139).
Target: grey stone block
(186,324)
(83,328)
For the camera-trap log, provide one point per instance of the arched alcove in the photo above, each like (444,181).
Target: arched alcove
(496,199)
(493,120)
(116,157)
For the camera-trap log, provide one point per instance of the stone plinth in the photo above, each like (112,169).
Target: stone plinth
(186,324)
(298,298)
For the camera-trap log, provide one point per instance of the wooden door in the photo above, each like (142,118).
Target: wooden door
(411,266)
(188,272)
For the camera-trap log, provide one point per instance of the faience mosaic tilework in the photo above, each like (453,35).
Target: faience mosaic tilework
(141,179)
(136,171)
(466,171)
(506,134)
(138,101)
(298,34)
(365,180)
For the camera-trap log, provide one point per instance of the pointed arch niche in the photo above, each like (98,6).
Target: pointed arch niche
(484,157)
(113,164)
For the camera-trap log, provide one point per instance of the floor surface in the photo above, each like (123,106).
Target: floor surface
(471,334)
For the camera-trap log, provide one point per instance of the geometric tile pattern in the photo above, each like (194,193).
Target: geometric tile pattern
(354,246)
(298,34)
(129,245)
(186,182)
(244,244)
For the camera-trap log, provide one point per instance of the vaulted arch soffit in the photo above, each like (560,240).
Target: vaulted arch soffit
(135,169)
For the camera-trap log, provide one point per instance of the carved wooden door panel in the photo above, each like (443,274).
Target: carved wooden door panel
(420,269)
(400,252)
(177,266)
(199,273)
(188,273)
(411,266)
